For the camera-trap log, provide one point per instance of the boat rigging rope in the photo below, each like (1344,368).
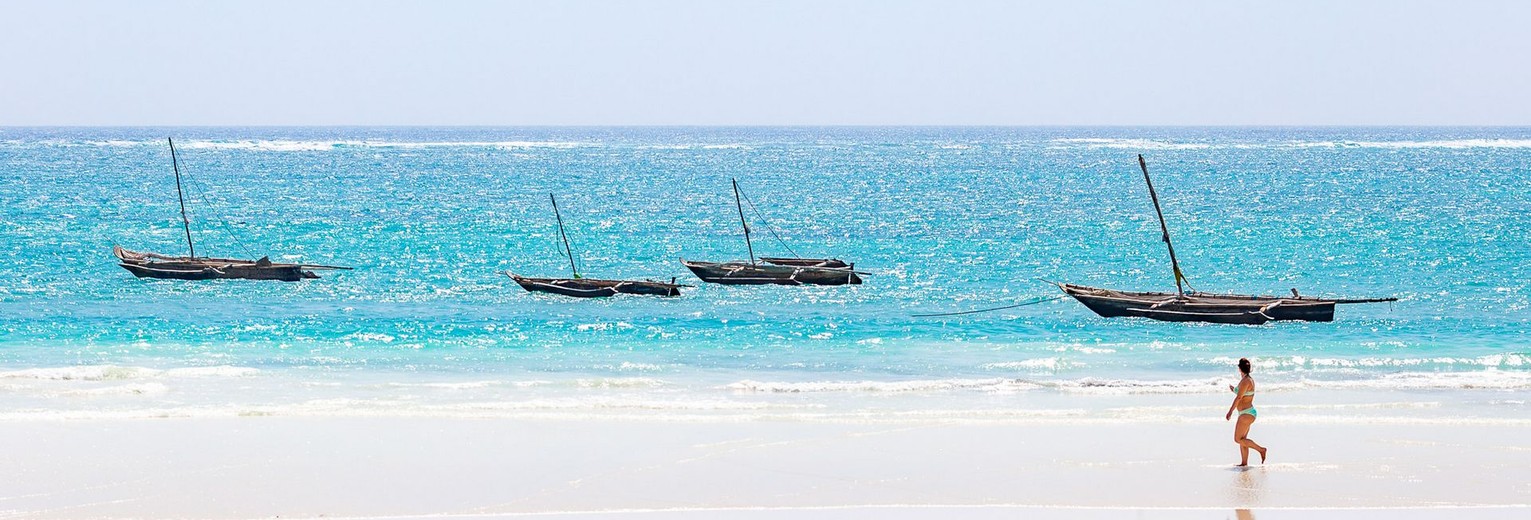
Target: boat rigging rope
(768,225)
(1187,281)
(201,193)
(1022,304)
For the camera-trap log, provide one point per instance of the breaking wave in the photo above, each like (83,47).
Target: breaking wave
(932,385)
(298,145)
(1301,363)
(115,373)
(1159,144)
(1134,144)
(1491,379)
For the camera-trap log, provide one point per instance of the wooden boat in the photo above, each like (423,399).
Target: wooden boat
(193,267)
(741,273)
(1214,308)
(776,270)
(580,287)
(593,288)
(151,265)
(1195,306)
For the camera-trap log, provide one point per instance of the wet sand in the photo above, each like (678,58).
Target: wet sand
(262,467)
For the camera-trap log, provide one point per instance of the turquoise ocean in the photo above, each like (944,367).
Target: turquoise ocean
(941,219)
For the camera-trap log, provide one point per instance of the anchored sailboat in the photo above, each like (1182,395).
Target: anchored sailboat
(1195,306)
(581,287)
(193,267)
(775,270)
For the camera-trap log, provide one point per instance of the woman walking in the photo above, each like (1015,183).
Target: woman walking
(1244,404)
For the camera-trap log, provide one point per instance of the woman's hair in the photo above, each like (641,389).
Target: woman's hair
(1244,365)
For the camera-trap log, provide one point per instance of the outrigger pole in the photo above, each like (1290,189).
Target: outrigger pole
(568,251)
(740,206)
(1174,263)
(186,223)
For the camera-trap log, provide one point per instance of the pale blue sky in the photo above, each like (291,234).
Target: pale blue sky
(1218,62)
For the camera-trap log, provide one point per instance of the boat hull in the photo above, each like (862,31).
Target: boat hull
(1232,309)
(595,288)
(150,265)
(739,273)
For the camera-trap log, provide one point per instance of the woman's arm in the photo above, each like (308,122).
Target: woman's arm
(1237,392)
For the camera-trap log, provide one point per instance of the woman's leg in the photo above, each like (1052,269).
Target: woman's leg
(1240,431)
(1241,436)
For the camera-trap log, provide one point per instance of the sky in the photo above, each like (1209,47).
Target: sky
(786,62)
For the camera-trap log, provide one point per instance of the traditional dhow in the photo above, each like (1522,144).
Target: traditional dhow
(775,270)
(593,288)
(151,265)
(1194,306)
(1206,307)
(581,287)
(741,273)
(193,267)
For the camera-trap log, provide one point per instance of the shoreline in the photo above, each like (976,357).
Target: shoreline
(1488,398)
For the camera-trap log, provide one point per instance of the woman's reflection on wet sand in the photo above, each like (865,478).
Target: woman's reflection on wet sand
(1248,486)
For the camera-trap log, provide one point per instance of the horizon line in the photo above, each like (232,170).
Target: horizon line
(343,125)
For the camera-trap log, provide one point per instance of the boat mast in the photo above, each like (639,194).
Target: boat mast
(746,225)
(181,196)
(569,251)
(1174,263)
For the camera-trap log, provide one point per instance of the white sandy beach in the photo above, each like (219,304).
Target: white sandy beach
(296,467)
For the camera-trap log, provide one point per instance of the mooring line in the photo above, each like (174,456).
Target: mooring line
(1022,304)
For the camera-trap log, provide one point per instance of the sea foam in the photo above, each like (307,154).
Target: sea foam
(285,145)
(878,386)
(114,372)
